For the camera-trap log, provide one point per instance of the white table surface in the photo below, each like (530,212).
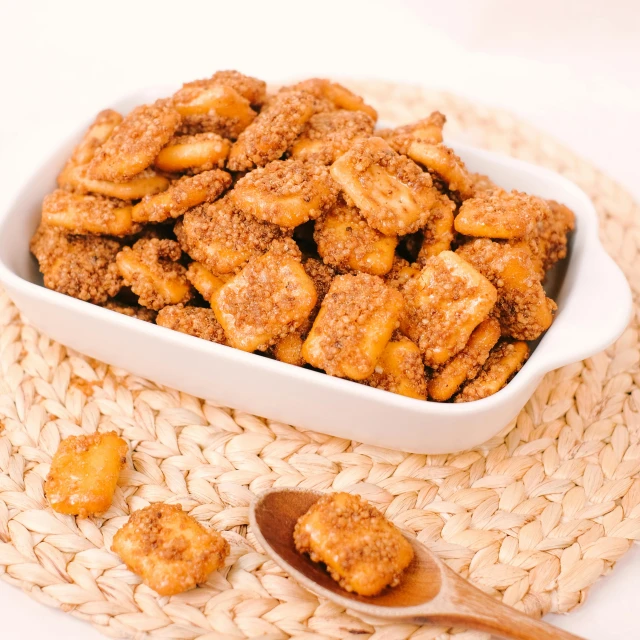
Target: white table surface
(571,68)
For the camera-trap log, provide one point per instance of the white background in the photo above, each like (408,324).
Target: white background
(570,67)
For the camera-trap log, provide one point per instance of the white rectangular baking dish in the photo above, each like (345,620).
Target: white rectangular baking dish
(594,306)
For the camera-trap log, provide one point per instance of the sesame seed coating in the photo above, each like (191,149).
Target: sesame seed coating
(319,102)
(321,274)
(136,142)
(223,238)
(362,550)
(555,228)
(286,192)
(328,135)
(273,131)
(83,267)
(194,321)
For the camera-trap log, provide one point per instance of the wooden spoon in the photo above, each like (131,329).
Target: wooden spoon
(429,592)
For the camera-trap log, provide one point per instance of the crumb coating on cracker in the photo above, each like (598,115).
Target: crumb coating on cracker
(504,361)
(427,130)
(223,238)
(400,370)
(512,214)
(154,270)
(391,191)
(362,550)
(169,549)
(194,321)
(271,297)
(328,135)
(136,142)
(182,194)
(251,89)
(519,305)
(272,132)
(133,311)
(347,242)
(286,192)
(83,267)
(353,308)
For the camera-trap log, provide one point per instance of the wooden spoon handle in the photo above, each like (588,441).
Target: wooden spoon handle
(510,625)
(460,604)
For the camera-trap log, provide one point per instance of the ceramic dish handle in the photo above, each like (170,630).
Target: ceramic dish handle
(597,316)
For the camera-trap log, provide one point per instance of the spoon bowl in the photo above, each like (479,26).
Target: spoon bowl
(420,581)
(428,593)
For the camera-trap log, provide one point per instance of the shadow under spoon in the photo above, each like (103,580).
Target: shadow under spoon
(429,591)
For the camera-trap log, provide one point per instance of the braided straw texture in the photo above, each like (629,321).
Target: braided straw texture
(534,516)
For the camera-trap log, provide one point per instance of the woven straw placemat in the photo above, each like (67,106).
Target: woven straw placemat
(534,516)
